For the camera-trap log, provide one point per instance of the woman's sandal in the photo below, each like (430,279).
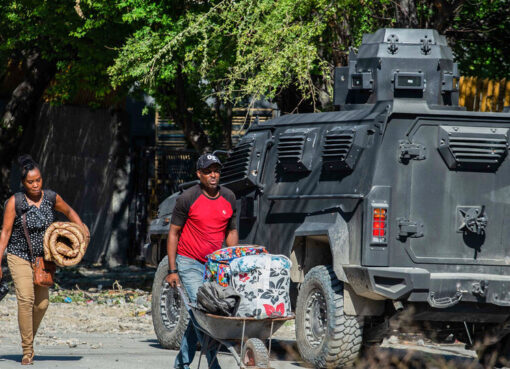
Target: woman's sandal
(27,359)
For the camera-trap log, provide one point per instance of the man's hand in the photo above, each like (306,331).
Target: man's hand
(173,280)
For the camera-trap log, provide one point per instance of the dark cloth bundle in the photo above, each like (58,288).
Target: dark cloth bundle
(4,289)
(218,300)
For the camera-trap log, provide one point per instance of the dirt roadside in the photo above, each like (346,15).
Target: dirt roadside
(96,312)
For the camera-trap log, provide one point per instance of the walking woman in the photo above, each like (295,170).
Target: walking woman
(39,206)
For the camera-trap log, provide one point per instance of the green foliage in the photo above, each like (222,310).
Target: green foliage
(481,38)
(79,38)
(174,78)
(154,26)
(259,48)
(244,48)
(232,50)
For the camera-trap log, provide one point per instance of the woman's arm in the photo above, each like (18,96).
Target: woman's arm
(9,215)
(64,208)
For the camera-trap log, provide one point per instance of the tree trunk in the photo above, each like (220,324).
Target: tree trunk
(227,126)
(19,113)
(225,119)
(445,13)
(407,16)
(193,131)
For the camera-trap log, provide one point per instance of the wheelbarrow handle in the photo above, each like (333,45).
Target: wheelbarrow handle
(184,297)
(189,308)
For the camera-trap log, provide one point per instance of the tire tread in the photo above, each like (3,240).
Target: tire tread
(344,338)
(168,339)
(259,350)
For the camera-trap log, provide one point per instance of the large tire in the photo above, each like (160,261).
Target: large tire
(169,315)
(326,337)
(255,354)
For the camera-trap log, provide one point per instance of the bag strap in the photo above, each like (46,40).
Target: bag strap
(18,202)
(27,235)
(51,196)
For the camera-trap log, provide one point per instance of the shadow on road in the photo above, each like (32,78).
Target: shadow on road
(376,357)
(153,343)
(17,358)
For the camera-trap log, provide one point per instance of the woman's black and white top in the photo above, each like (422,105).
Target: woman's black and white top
(38,220)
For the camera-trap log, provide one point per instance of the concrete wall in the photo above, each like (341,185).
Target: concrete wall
(84,157)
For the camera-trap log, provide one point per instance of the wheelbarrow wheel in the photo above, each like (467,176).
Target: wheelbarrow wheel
(255,354)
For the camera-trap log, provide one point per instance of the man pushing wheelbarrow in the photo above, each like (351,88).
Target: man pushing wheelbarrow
(203,218)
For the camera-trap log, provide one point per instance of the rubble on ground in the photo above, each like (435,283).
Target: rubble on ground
(85,307)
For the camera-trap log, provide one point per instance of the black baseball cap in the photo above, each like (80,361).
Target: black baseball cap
(206,160)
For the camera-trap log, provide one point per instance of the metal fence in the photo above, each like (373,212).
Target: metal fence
(169,134)
(171,169)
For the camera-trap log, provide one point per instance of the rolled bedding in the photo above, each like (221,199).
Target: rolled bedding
(65,243)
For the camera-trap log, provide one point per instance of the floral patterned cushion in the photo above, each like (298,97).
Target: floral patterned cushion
(217,266)
(263,282)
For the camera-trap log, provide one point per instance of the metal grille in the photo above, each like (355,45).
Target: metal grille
(290,148)
(477,150)
(171,169)
(236,166)
(337,146)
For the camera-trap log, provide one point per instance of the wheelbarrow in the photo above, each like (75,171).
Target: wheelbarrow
(228,332)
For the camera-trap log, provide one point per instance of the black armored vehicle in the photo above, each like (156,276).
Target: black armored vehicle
(393,207)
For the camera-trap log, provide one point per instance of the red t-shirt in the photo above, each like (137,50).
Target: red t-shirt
(204,221)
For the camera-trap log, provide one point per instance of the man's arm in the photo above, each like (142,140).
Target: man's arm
(232,238)
(171,248)
(231,235)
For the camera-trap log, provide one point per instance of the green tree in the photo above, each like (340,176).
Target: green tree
(176,84)
(286,50)
(477,30)
(63,48)
(184,53)
(480,37)
(283,50)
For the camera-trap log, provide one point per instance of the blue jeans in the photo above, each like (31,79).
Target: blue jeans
(191,274)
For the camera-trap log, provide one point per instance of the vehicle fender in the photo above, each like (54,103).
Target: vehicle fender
(167,205)
(334,227)
(158,230)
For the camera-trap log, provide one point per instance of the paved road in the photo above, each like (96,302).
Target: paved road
(139,352)
(110,352)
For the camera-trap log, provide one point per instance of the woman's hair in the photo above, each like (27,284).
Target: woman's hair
(26,164)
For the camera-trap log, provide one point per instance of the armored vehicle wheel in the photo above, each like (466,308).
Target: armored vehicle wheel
(496,355)
(255,354)
(325,336)
(169,315)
